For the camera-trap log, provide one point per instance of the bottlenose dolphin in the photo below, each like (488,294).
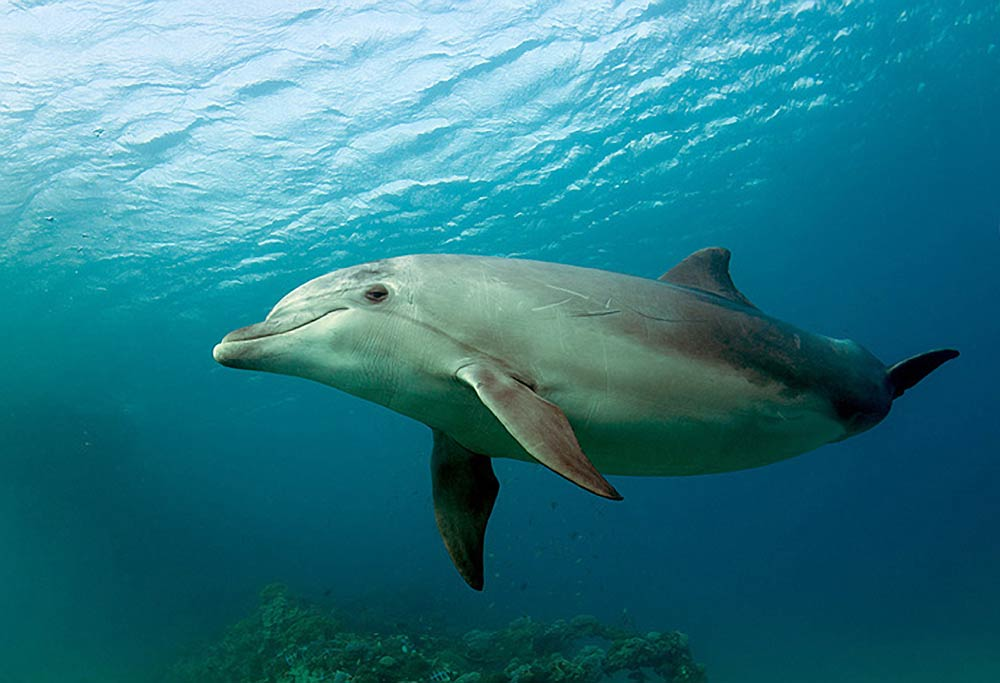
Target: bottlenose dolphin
(584,371)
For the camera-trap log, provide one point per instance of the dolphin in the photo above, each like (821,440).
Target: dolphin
(585,371)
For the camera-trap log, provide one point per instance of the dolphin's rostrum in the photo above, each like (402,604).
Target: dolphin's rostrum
(584,371)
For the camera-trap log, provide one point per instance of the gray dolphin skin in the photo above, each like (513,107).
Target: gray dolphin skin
(581,370)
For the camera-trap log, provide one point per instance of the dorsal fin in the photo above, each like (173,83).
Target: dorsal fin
(707,270)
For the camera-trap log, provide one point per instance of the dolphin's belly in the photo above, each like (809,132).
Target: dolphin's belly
(687,446)
(670,417)
(697,419)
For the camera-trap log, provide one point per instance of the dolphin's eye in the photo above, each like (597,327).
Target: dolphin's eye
(377,293)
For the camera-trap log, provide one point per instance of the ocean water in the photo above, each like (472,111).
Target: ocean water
(168,170)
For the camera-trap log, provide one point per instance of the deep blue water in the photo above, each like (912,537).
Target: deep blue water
(169,170)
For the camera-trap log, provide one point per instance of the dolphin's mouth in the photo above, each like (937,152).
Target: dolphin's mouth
(236,351)
(272,327)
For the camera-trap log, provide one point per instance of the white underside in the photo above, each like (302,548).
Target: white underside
(672,417)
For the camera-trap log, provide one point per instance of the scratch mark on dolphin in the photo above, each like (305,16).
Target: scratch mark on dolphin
(594,314)
(553,305)
(664,320)
(568,291)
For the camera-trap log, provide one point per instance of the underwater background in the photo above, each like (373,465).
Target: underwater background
(169,170)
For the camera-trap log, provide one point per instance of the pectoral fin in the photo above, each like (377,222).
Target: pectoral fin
(465,489)
(538,425)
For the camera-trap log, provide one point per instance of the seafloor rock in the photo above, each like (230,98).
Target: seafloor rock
(287,641)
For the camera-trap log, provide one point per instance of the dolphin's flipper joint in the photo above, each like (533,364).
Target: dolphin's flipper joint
(707,270)
(906,373)
(465,489)
(538,425)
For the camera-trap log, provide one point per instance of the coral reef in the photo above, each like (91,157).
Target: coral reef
(288,641)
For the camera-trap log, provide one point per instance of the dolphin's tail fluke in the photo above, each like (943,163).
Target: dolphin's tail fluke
(905,374)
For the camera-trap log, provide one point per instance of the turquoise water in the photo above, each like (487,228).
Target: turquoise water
(169,170)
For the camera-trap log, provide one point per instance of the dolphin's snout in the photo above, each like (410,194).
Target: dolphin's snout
(234,351)
(249,347)
(230,354)
(219,354)
(237,349)
(255,331)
